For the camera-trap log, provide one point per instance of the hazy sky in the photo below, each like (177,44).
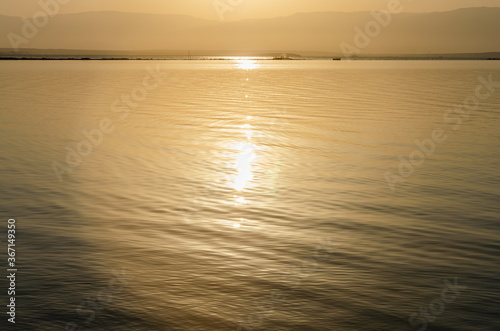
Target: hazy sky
(246,8)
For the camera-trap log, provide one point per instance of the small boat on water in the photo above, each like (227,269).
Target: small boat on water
(282,58)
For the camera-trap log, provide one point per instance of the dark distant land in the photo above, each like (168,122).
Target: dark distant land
(62,54)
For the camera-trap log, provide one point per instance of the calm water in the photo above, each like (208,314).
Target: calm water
(250,194)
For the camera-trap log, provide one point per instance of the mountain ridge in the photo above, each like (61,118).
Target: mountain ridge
(465,30)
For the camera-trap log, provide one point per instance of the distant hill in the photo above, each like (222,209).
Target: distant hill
(471,30)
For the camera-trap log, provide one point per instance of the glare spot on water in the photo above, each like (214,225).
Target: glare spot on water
(246,64)
(244,168)
(240,200)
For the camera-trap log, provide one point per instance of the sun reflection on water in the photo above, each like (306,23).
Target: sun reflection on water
(245,149)
(240,200)
(246,63)
(243,165)
(243,159)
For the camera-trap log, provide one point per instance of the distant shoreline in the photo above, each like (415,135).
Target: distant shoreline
(24,58)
